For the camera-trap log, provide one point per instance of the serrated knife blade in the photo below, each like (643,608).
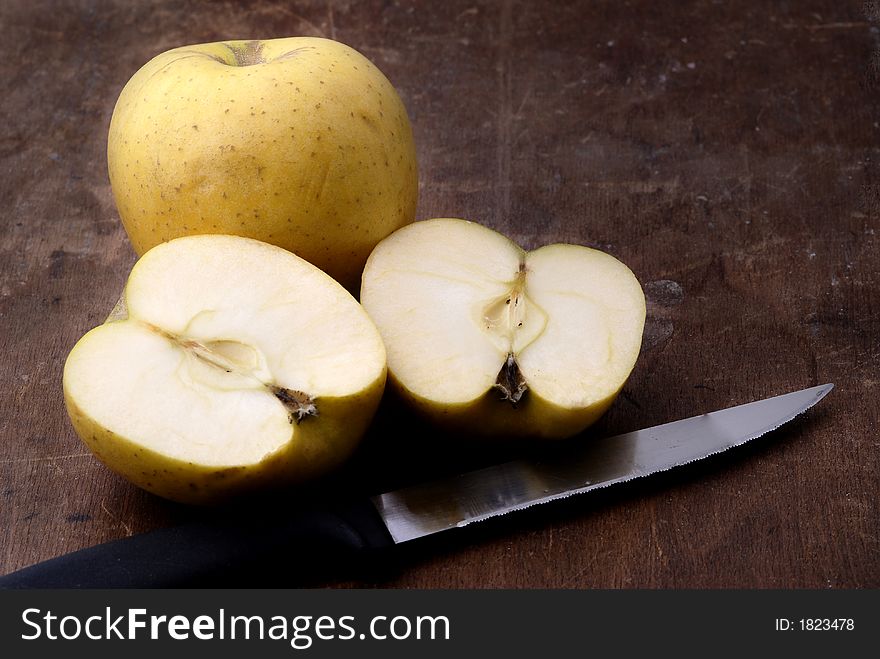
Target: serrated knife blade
(246,550)
(423,509)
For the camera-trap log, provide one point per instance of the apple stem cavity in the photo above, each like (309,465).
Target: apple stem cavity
(247,55)
(251,54)
(510,381)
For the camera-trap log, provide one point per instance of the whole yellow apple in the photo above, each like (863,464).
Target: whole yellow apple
(298,142)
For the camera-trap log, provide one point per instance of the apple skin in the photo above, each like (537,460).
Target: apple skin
(298,142)
(489,418)
(312,454)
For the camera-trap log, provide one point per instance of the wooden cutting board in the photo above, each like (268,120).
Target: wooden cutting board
(726,152)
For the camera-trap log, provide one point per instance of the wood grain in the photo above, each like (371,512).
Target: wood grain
(726,151)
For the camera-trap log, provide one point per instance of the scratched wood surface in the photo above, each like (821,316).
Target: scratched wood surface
(726,151)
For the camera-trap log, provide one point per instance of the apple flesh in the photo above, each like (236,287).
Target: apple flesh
(492,340)
(298,142)
(231,365)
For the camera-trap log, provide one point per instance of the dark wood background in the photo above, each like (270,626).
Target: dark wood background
(727,152)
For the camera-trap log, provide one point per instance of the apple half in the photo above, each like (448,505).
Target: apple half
(492,340)
(229,365)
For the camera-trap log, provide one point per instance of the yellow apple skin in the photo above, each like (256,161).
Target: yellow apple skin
(299,142)
(314,452)
(490,418)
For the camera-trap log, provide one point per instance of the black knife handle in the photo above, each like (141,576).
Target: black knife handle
(256,552)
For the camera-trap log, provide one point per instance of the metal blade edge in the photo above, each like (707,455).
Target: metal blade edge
(457,501)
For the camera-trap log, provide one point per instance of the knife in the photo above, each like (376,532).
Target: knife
(256,549)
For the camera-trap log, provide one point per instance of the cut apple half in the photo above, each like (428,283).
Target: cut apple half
(491,339)
(229,365)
